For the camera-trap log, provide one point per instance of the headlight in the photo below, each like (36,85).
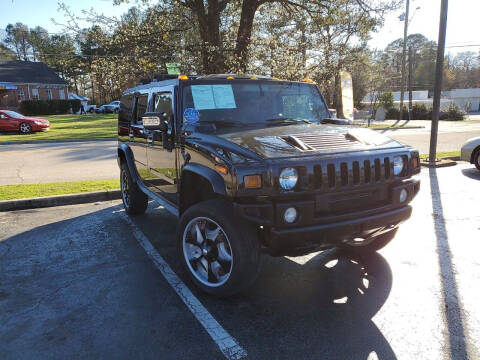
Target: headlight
(288,178)
(398,165)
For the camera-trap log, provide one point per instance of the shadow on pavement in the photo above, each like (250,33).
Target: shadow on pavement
(452,306)
(83,288)
(472,173)
(314,307)
(320,309)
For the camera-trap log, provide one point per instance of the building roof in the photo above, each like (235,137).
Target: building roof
(73,96)
(17,71)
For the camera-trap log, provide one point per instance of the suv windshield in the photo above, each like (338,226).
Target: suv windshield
(234,104)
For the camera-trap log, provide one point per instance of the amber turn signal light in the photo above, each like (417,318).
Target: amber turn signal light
(415,162)
(252,181)
(221,169)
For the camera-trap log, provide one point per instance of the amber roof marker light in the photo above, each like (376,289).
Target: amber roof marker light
(182,77)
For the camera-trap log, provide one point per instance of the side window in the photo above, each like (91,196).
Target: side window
(140,108)
(162,103)
(125,113)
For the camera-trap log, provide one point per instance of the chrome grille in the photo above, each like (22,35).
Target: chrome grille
(350,173)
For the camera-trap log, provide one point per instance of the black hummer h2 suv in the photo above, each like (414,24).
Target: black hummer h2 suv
(255,165)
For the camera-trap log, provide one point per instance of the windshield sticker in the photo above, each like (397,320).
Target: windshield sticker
(203,97)
(209,97)
(191,115)
(223,96)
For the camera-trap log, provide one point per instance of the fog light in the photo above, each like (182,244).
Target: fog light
(403,195)
(290,215)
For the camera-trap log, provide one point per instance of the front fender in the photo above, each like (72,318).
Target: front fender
(126,154)
(218,183)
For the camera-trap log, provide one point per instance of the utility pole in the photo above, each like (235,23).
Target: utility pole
(410,76)
(438,80)
(405,31)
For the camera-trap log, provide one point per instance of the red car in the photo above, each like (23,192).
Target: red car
(13,121)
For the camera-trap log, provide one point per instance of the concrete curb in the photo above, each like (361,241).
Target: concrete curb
(53,141)
(58,200)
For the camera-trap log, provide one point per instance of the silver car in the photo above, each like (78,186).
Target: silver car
(471,152)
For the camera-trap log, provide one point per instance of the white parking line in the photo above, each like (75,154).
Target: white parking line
(227,344)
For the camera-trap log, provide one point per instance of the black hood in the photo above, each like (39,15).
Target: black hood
(308,139)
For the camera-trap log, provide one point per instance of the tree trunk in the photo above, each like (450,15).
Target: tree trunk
(244,34)
(213,58)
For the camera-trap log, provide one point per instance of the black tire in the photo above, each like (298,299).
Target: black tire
(376,244)
(237,237)
(91,111)
(476,158)
(134,200)
(25,128)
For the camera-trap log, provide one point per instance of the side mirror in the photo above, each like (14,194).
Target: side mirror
(155,121)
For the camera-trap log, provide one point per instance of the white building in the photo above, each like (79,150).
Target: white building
(466,99)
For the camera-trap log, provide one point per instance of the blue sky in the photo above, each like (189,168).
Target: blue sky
(40,12)
(462,19)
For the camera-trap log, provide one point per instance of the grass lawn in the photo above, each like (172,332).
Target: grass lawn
(380,126)
(24,191)
(442,154)
(71,127)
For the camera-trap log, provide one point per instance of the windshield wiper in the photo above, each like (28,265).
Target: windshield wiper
(223,123)
(286,121)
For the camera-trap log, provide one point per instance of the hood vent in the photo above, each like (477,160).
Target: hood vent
(323,141)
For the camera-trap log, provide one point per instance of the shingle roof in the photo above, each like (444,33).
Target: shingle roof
(17,71)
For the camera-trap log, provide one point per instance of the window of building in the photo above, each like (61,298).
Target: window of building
(61,94)
(49,94)
(21,93)
(35,95)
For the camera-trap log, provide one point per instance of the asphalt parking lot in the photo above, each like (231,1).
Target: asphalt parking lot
(77,282)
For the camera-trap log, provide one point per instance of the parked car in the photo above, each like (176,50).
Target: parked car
(112,107)
(471,152)
(91,108)
(13,121)
(254,165)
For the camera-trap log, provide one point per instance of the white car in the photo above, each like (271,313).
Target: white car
(471,152)
(112,107)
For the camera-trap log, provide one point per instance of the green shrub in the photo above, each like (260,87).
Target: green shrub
(454,113)
(393,113)
(420,112)
(48,107)
(385,100)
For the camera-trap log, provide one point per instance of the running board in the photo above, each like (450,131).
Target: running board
(169,207)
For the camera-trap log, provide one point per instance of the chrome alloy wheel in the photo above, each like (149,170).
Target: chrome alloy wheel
(207,251)
(25,128)
(125,189)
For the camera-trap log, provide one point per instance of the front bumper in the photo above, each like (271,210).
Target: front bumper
(319,227)
(466,154)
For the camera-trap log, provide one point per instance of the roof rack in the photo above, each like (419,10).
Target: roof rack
(235,76)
